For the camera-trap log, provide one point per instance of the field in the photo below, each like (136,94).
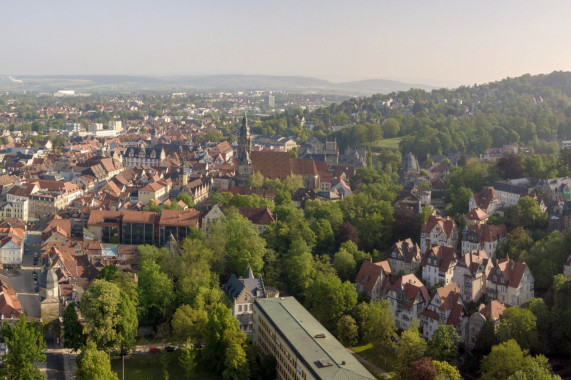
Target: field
(392,143)
(147,367)
(385,361)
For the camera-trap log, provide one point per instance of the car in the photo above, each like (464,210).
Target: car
(169,348)
(36,289)
(35,273)
(154,350)
(35,255)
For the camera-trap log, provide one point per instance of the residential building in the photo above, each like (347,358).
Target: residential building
(438,264)
(476,216)
(260,217)
(438,231)
(373,279)
(10,307)
(12,242)
(155,191)
(493,309)
(555,189)
(510,282)
(508,193)
(404,256)
(445,308)
(242,292)
(483,236)
(303,348)
(408,297)
(486,199)
(46,202)
(211,217)
(15,209)
(471,273)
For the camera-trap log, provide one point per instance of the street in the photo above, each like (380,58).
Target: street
(23,283)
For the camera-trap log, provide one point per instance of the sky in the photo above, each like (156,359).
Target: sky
(442,43)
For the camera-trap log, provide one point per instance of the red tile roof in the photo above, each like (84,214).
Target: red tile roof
(447,225)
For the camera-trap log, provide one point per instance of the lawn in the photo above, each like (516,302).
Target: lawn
(147,367)
(392,143)
(384,361)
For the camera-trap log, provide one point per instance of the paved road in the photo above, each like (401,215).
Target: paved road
(55,368)
(23,283)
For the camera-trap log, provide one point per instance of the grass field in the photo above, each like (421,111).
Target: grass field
(147,367)
(387,143)
(384,361)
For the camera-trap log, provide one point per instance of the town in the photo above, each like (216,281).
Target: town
(413,235)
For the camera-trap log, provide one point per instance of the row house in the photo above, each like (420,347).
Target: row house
(471,273)
(404,256)
(485,237)
(486,199)
(438,264)
(373,279)
(408,298)
(445,308)
(510,282)
(438,231)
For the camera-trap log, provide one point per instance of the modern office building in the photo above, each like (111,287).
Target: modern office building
(303,348)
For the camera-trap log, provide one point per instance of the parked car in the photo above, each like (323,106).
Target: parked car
(36,289)
(169,348)
(154,350)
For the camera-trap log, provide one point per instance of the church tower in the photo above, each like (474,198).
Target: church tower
(184,171)
(49,292)
(244,149)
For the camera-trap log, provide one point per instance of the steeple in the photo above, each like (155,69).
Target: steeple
(244,150)
(184,169)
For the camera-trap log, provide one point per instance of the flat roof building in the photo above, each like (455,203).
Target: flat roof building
(303,348)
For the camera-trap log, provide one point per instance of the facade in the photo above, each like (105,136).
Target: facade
(303,348)
(46,202)
(485,237)
(156,191)
(438,264)
(242,292)
(135,157)
(404,256)
(438,231)
(445,308)
(555,189)
(510,282)
(408,297)
(211,217)
(138,227)
(373,279)
(16,209)
(471,273)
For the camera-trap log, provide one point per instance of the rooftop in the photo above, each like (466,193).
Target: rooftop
(298,327)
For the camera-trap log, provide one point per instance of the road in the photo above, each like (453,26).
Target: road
(23,283)
(55,367)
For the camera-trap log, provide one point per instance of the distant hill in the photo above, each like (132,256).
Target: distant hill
(123,83)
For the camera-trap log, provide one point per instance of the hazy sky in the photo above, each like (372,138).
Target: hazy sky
(433,42)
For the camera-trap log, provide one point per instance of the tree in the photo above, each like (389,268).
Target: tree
(186,198)
(25,345)
(503,361)
(298,268)
(187,358)
(188,323)
(410,348)
(528,214)
(378,325)
(73,329)
(93,364)
(152,206)
(446,371)
(545,323)
(155,291)
(347,331)
(329,298)
(109,316)
(390,127)
(444,344)
(536,368)
(345,264)
(519,324)
(244,247)
(423,369)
